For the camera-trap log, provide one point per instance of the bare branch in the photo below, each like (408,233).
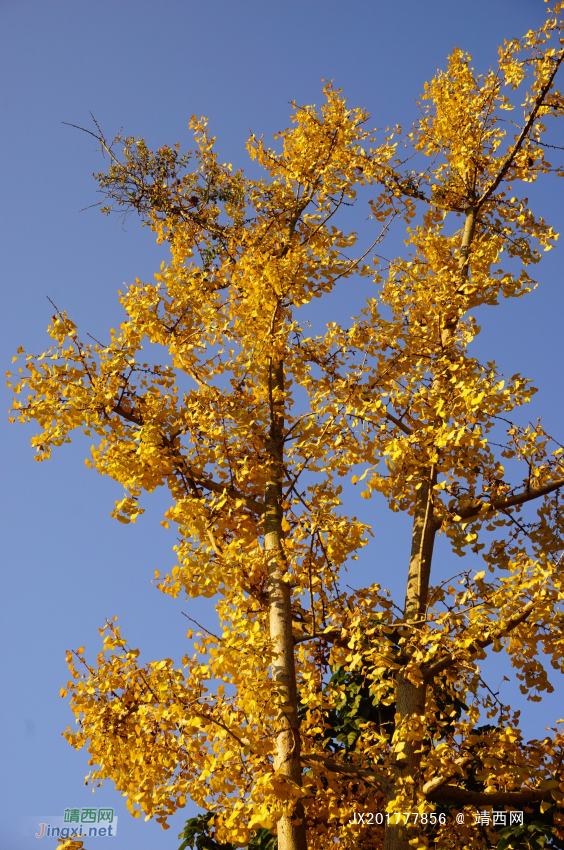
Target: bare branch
(192,620)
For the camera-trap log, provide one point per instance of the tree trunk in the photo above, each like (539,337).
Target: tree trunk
(410,703)
(422,543)
(410,698)
(291,831)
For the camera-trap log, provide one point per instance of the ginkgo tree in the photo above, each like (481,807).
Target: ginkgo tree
(310,704)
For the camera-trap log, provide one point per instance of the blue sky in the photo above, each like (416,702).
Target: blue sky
(148,66)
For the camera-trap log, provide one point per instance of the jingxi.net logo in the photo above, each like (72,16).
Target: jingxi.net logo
(75,823)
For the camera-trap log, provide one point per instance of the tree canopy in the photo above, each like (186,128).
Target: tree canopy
(313,702)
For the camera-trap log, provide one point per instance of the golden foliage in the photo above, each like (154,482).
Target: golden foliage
(248,403)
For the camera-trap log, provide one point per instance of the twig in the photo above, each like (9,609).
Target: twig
(192,620)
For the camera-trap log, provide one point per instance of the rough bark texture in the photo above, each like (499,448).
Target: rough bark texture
(291,831)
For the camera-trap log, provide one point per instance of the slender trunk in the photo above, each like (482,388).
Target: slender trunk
(451,319)
(467,237)
(410,698)
(291,831)
(422,542)
(410,704)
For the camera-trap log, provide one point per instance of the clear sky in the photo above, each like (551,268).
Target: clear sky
(148,66)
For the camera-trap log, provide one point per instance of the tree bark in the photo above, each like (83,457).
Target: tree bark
(410,704)
(291,830)
(410,698)
(422,543)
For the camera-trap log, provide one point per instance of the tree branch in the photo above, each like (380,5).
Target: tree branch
(450,659)
(522,136)
(208,484)
(381,782)
(334,636)
(398,423)
(517,799)
(434,784)
(485,508)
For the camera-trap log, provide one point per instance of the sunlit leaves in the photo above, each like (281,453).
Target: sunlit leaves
(392,401)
